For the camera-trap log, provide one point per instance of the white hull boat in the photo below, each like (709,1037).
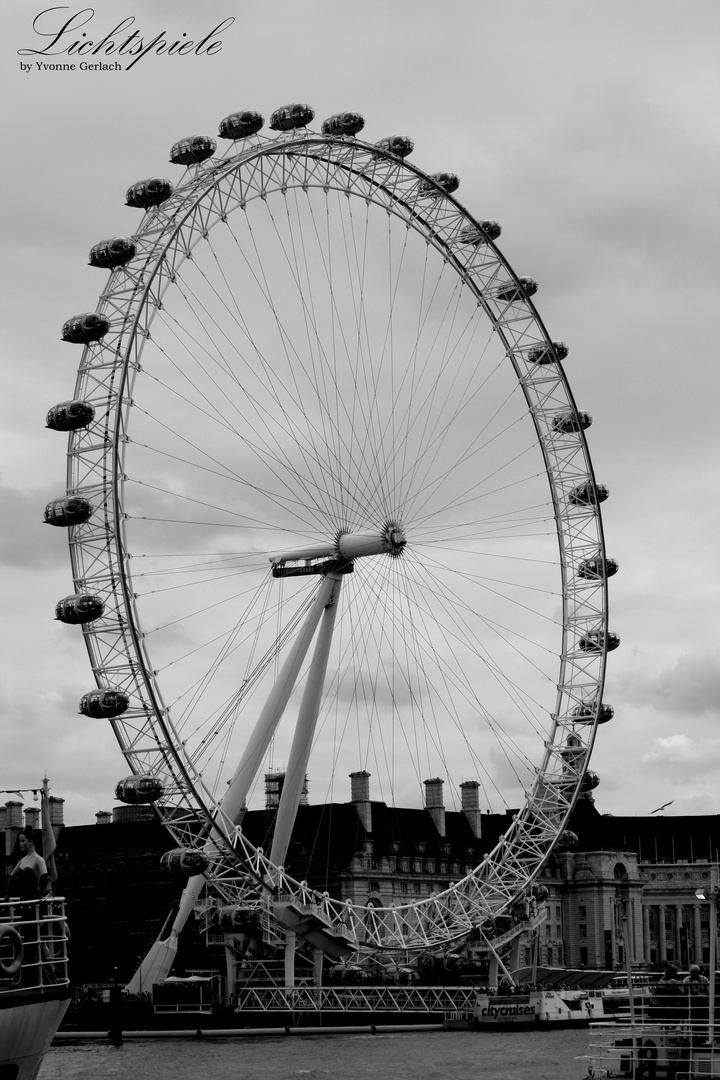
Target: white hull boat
(34,984)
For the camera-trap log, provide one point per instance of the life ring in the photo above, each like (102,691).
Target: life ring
(11,969)
(647,1058)
(648,1050)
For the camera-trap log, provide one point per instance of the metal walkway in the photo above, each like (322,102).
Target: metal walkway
(448,1000)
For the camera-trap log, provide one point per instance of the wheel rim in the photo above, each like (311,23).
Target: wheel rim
(257,317)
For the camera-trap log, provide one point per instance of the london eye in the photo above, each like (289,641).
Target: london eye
(331,510)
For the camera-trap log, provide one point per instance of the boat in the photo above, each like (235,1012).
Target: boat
(672,1036)
(34,984)
(614,994)
(534,1008)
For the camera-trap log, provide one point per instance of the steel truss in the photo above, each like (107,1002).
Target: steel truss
(447,1000)
(134,294)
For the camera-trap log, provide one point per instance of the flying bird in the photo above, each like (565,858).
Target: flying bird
(659,808)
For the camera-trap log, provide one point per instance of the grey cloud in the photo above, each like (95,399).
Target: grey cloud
(25,541)
(690,687)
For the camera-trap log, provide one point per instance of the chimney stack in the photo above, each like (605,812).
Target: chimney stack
(13,823)
(434,803)
(360,796)
(103,817)
(470,793)
(32,817)
(14,814)
(57,813)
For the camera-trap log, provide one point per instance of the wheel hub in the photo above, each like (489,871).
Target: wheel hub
(389,540)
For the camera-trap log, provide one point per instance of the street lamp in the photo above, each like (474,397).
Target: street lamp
(711,894)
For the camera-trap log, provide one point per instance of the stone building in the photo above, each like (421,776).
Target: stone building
(627,885)
(371,853)
(656,865)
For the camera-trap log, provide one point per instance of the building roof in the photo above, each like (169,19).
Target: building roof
(327,837)
(671,838)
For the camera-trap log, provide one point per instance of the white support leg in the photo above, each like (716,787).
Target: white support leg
(304,731)
(318,955)
(515,953)
(290,941)
(230,973)
(158,962)
(236,794)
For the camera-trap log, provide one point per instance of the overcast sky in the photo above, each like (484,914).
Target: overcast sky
(588,128)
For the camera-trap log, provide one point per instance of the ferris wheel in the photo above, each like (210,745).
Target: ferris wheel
(331,511)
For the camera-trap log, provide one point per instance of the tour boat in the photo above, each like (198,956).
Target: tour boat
(537,1008)
(671,1037)
(34,984)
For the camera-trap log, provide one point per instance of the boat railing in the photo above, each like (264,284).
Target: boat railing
(34,940)
(653,1052)
(681,1006)
(669,1036)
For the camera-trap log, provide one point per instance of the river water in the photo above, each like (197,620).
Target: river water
(450,1055)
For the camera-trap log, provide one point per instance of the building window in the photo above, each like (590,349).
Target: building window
(582,928)
(583,954)
(374,886)
(550,954)
(582,911)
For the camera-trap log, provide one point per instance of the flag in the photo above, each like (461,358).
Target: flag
(48,836)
